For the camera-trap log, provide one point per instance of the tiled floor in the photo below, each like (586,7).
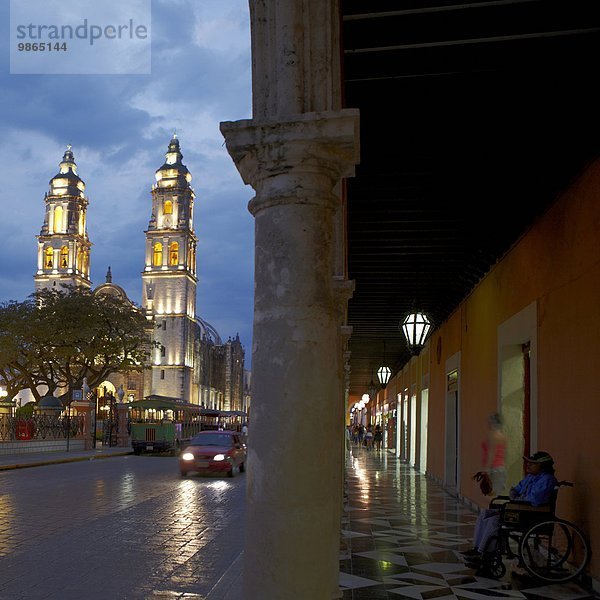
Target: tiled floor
(402,535)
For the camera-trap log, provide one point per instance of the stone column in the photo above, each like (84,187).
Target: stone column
(293,503)
(342,292)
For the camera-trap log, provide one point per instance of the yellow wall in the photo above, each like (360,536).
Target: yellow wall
(554,268)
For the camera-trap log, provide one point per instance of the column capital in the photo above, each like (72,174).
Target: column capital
(294,161)
(343,289)
(346,333)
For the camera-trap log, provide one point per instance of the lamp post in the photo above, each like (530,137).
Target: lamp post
(68,424)
(94,429)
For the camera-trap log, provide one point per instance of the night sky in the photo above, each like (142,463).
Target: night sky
(119,127)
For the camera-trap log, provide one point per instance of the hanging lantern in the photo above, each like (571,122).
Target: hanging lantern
(416,327)
(372,390)
(383,374)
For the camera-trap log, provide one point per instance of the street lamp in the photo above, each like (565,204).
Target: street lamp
(383,374)
(416,327)
(4,405)
(372,390)
(94,399)
(67,409)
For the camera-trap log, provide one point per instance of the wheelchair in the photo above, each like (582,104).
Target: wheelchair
(550,549)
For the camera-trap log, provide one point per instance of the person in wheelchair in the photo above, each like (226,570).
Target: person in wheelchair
(535,489)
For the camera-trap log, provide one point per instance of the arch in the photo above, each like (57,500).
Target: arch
(158,255)
(80,259)
(168,207)
(106,387)
(49,259)
(64,257)
(58,219)
(173,253)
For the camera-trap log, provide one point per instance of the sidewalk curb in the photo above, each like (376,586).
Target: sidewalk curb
(57,461)
(229,586)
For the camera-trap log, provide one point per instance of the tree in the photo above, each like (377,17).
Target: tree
(15,345)
(57,337)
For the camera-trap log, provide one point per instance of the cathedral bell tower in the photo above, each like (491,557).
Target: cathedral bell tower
(63,244)
(169,279)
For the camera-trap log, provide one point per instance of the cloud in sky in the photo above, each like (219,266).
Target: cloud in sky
(120,127)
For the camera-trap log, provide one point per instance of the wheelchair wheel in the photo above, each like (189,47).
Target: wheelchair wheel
(491,562)
(554,551)
(494,565)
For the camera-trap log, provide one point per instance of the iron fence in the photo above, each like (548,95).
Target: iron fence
(40,427)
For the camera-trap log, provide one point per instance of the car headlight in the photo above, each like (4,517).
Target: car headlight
(219,457)
(187,456)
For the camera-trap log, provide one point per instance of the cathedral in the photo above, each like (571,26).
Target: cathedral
(190,363)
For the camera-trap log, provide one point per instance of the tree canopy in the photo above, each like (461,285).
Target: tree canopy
(55,338)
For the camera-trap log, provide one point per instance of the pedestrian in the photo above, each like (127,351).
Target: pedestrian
(378,437)
(493,450)
(369,437)
(348,437)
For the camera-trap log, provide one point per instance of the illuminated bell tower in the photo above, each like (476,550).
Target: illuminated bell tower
(63,244)
(169,279)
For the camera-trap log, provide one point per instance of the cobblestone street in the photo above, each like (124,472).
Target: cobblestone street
(125,528)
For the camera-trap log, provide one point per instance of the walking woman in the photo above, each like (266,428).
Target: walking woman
(493,450)
(378,438)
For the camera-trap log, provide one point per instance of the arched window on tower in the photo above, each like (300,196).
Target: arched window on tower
(168,207)
(58,219)
(79,259)
(173,253)
(64,257)
(158,255)
(48,262)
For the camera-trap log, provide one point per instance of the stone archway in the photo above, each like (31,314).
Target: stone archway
(106,387)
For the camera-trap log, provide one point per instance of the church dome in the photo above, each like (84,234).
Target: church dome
(111,289)
(173,172)
(66,182)
(50,403)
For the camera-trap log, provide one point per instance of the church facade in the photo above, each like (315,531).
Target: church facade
(189,362)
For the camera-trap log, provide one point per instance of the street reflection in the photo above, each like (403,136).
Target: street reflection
(6,517)
(218,486)
(127,488)
(183,527)
(188,497)
(363,479)
(100,488)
